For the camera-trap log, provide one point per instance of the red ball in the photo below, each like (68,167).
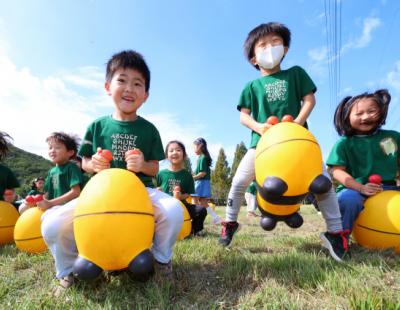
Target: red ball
(132,152)
(38,198)
(287,118)
(29,199)
(375,178)
(272,120)
(106,154)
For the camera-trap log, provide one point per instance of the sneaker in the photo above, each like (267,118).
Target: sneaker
(67,281)
(163,270)
(216,220)
(336,243)
(227,232)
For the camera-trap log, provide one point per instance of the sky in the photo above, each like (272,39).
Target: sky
(53,55)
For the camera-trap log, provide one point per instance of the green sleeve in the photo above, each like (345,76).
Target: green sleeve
(246,98)
(304,83)
(86,149)
(75,176)
(157,151)
(337,156)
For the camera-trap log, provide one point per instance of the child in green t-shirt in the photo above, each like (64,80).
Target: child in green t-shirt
(37,186)
(363,149)
(178,182)
(127,84)
(276,93)
(64,180)
(8,181)
(202,179)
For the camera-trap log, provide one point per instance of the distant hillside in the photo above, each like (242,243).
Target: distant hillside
(26,166)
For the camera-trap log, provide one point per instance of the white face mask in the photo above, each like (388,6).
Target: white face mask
(270,56)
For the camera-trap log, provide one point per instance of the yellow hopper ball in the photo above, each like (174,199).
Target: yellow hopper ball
(378,225)
(113,225)
(27,233)
(288,165)
(187,224)
(8,217)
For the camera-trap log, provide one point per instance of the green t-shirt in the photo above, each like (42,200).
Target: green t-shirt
(34,192)
(7,180)
(61,179)
(252,188)
(119,137)
(167,180)
(202,166)
(365,155)
(277,94)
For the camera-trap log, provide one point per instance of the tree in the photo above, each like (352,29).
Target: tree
(219,178)
(239,153)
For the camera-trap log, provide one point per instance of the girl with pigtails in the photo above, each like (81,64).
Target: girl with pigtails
(366,159)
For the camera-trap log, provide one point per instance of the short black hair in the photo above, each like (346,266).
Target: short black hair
(261,31)
(128,59)
(71,142)
(5,139)
(342,114)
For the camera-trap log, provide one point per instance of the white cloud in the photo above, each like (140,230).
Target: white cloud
(369,24)
(32,107)
(318,54)
(320,57)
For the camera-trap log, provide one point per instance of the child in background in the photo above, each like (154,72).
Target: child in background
(276,93)
(202,176)
(127,83)
(251,202)
(8,181)
(63,181)
(178,182)
(37,187)
(363,149)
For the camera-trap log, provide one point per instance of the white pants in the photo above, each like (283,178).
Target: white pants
(245,174)
(57,230)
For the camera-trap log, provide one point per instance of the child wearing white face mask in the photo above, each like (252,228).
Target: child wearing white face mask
(276,93)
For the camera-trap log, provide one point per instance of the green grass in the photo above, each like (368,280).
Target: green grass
(282,269)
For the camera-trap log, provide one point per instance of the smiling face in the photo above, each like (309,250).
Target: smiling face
(364,116)
(127,89)
(58,152)
(175,154)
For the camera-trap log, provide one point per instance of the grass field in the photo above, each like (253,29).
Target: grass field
(282,269)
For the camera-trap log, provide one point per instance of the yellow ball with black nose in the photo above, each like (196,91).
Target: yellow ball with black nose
(114,225)
(288,165)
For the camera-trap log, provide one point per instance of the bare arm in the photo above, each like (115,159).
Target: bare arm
(342,176)
(71,194)
(200,175)
(136,163)
(306,108)
(247,120)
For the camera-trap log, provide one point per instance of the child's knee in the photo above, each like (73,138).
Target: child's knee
(50,229)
